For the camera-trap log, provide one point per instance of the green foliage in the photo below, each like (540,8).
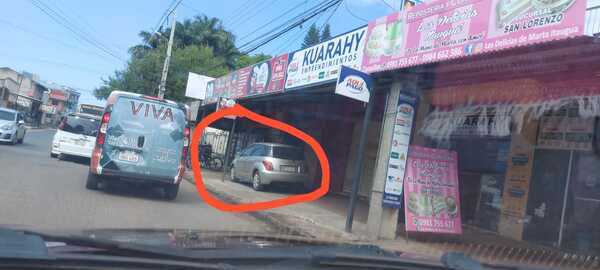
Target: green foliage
(326,33)
(312,37)
(201,45)
(247,60)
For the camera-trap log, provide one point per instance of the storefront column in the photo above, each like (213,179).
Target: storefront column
(382,221)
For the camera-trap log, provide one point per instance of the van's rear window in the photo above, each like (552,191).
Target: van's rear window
(80,125)
(283,152)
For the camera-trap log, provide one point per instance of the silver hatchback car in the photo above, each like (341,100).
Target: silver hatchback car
(266,163)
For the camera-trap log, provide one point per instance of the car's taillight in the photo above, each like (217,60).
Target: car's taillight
(103,128)
(62,124)
(268,165)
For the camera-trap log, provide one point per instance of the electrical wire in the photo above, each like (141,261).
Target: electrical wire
(273,20)
(324,6)
(241,19)
(69,26)
(352,13)
(165,16)
(56,41)
(238,11)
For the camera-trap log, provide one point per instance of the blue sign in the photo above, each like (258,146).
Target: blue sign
(354,84)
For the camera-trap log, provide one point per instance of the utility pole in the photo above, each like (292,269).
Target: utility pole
(163,79)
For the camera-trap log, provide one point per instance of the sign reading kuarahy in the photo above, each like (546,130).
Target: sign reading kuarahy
(321,63)
(354,84)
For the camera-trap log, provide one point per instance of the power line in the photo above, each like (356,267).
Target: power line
(388,4)
(244,7)
(352,13)
(56,41)
(174,4)
(68,25)
(241,19)
(273,20)
(322,7)
(289,21)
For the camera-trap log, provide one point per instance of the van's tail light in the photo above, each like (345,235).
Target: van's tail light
(100,138)
(103,128)
(268,165)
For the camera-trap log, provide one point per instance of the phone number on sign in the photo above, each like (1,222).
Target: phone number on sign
(433,224)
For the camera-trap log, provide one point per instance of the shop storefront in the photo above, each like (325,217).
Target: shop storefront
(486,119)
(502,139)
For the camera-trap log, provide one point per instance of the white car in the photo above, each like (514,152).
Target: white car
(75,136)
(12,126)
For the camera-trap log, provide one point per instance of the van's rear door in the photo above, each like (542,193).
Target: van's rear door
(145,137)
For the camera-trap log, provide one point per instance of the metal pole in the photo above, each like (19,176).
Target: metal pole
(564,207)
(227,149)
(163,79)
(359,162)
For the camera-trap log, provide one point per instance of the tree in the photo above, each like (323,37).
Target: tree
(247,60)
(326,33)
(312,37)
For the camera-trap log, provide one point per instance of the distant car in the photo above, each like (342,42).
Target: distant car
(266,163)
(143,140)
(12,126)
(75,136)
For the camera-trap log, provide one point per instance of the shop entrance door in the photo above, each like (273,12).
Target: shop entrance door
(546,196)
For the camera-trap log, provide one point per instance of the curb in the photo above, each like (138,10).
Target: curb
(269,218)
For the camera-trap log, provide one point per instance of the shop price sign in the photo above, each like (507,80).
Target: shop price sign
(439,30)
(403,121)
(431,192)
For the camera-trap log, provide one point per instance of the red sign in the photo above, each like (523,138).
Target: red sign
(58,95)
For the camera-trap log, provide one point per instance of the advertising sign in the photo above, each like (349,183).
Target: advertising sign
(196,85)
(431,191)
(262,78)
(405,113)
(516,184)
(445,29)
(321,63)
(565,130)
(225,103)
(58,95)
(354,84)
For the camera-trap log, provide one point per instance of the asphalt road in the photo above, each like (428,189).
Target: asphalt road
(40,192)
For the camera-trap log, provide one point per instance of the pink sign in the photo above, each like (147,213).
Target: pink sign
(431,194)
(446,29)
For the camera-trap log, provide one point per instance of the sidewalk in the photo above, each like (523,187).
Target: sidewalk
(324,218)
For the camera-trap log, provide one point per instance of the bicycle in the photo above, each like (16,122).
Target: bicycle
(208,159)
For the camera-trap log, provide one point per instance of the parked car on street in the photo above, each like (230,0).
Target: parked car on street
(265,163)
(75,136)
(12,126)
(143,140)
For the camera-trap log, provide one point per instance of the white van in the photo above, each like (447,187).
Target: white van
(75,136)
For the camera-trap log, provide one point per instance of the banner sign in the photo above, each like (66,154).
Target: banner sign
(354,84)
(262,78)
(445,29)
(321,63)
(431,191)
(566,130)
(196,85)
(225,103)
(405,113)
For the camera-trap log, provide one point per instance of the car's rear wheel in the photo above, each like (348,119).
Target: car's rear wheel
(93,181)
(171,191)
(256,182)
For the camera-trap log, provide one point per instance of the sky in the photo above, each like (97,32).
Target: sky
(33,42)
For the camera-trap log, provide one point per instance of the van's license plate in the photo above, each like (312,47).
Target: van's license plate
(128,156)
(291,169)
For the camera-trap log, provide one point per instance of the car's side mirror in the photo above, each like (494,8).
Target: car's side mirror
(21,122)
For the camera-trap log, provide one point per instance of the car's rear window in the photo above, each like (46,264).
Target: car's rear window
(80,125)
(287,153)
(4,115)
